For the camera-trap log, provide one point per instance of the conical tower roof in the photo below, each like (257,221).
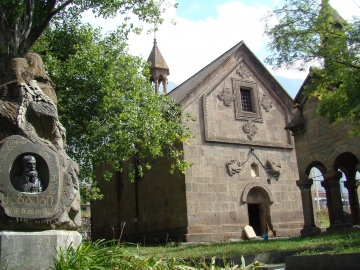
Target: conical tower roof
(156,59)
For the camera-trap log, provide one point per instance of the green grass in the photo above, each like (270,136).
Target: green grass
(116,256)
(323,218)
(337,243)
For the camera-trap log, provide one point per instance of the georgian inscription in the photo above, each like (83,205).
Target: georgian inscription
(53,177)
(8,148)
(27,199)
(27,204)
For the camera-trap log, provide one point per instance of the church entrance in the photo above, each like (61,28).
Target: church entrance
(254,217)
(258,202)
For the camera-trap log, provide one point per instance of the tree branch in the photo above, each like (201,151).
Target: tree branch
(36,32)
(50,5)
(28,19)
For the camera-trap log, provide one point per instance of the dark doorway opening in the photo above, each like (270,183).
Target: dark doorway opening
(254,217)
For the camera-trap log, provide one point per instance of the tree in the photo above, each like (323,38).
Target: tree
(312,33)
(23,22)
(107,104)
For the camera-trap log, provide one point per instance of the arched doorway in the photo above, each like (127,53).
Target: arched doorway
(258,200)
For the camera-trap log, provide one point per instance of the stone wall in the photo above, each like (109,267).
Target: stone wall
(321,142)
(156,212)
(216,207)
(329,148)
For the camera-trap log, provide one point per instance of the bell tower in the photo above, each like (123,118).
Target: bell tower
(159,70)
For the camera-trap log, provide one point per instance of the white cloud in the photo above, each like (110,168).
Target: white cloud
(189,46)
(346,8)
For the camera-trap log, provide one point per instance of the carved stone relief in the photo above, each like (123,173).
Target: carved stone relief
(226,95)
(233,167)
(39,188)
(240,114)
(266,103)
(250,128)
(271,167)
(242,77)
(243,72)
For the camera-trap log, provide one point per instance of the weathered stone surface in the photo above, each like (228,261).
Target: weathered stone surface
(30,127)
(34,250)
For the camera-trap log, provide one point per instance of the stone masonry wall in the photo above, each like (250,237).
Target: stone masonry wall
(321,140)
(216,208)
(160,210)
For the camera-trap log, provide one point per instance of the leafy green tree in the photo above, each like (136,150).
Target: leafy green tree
(307,33)
(22,22)
(107,104)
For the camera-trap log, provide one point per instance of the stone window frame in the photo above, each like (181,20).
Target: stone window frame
(255,115)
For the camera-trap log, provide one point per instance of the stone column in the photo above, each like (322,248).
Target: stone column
(354,200)
(165,84)
(156,85)
(333,196)
(308,210)
(326,186)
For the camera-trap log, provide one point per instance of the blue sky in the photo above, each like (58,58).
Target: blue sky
(202,9)
(205,29)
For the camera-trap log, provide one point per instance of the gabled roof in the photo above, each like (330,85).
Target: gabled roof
(301,89)
(186,88)
(156,59)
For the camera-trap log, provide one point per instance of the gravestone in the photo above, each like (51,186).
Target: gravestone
(39,189)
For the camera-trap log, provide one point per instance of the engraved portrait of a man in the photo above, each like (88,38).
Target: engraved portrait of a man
(29,181)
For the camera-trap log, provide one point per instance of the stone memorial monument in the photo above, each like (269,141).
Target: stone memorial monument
(39,189)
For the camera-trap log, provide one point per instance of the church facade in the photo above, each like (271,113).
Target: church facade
(244,163)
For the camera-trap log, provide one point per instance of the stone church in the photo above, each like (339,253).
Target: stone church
(244,162)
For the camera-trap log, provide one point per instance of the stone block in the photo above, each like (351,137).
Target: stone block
(34,250)
(249,231)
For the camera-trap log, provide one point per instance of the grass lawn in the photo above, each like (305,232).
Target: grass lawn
(123,256)
(332,243)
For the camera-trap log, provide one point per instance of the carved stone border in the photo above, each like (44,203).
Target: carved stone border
(23,204)
(254,88)
(212,138)
(256,185)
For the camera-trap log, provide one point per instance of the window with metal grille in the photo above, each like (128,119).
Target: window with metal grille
(246,100)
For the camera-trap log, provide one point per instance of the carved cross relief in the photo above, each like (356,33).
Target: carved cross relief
(243,72)
(229,94)
(266,103)
(250,128)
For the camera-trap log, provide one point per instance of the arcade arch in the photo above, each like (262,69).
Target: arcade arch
(344,165)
